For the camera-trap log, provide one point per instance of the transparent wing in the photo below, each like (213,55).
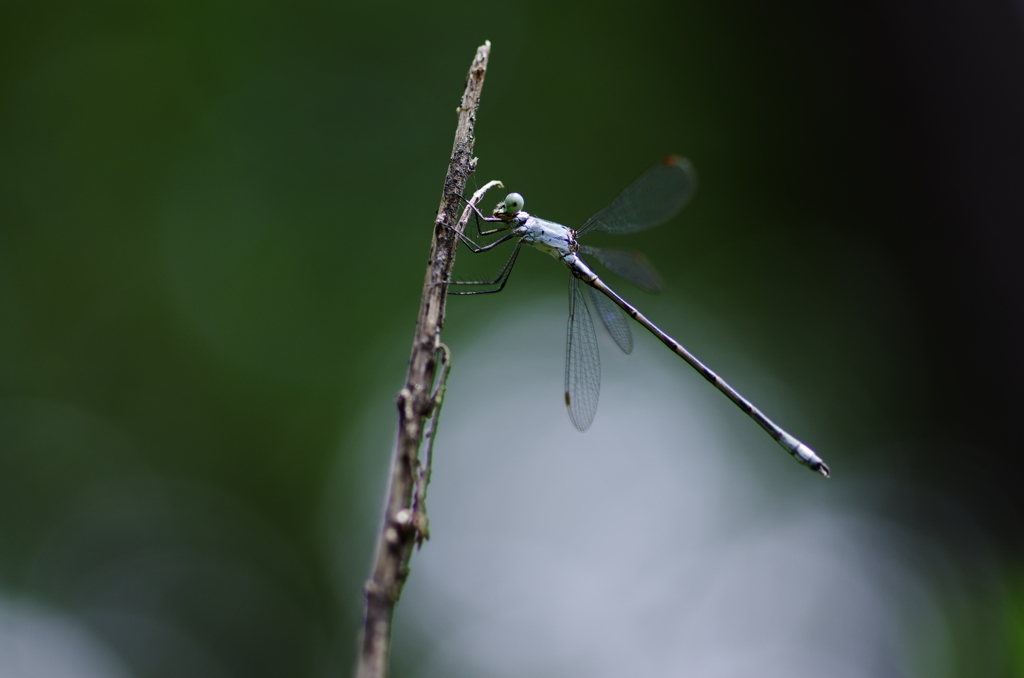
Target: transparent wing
(632,267)
(654,198)
(582,362)
(614,320)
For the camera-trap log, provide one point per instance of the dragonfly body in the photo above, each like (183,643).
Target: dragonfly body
(550,238)
(649,201)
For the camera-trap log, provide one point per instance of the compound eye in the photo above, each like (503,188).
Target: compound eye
(513,203)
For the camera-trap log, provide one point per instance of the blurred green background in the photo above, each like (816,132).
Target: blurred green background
(214,221)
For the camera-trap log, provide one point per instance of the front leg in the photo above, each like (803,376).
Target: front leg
(472,209)
(478,216)
(472,204)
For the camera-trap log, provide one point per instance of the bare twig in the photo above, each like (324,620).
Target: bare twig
(404,523)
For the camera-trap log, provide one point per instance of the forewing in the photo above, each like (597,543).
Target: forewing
(656,196)
(632,267)
(582,362)
(614,320)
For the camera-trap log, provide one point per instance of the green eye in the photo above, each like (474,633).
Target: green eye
(513,203)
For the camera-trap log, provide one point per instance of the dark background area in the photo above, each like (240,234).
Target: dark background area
(214,219)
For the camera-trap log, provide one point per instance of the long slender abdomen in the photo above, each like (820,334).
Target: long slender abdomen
(802,453)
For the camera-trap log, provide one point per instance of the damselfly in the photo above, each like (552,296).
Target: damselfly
(654,198)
